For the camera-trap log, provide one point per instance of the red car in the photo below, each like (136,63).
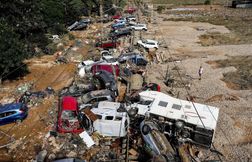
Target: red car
(107,45)
(68,116)
(116,17)
(106,67)
(130,10)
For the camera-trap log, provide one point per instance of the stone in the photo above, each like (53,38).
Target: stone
(41,156)
(71,154)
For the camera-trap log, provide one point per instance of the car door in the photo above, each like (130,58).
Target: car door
(7,117)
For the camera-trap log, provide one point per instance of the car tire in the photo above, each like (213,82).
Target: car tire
(146,129)
(133,112)
(144,29)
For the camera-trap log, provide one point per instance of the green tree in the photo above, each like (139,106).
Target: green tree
(13,52)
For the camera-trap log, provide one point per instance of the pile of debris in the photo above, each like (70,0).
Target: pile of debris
(138,122)
(98,119)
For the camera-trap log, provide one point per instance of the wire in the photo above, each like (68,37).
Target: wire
(193,102)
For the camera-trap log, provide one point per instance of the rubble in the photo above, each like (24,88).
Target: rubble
(89,124)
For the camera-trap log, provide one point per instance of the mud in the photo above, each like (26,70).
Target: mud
(241,79)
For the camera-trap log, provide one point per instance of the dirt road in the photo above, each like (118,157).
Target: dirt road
(234,131)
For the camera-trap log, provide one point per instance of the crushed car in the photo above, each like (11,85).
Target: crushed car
(112,119)
(135,58)
(68,121)
(120,33)
(108,57)
(119,25)
(108,44)
(96,96)
(178,118)
(111,68)
(106,80)
(78,25)
(156,144)
(131,18)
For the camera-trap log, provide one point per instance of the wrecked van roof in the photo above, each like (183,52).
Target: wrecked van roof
(173,108)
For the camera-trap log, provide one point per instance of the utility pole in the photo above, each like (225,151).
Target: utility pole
(101,8)
(101,17)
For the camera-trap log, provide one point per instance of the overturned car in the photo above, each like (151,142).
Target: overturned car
(184,120)
(113,120)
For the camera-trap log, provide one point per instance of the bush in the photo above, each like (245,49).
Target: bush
(71,36)
(160,9)
(207,2)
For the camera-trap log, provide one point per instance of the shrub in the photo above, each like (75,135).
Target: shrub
(207,2)
(160,9)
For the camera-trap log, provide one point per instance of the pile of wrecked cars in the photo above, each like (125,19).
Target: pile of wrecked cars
(146,120)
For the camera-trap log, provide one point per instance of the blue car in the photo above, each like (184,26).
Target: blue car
(13,112)
(118,25)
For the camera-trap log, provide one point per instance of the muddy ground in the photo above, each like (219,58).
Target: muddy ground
(222,65)
(226,81)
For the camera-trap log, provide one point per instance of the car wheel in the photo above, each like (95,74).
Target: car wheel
(146,129)
(133,112)
(145,29)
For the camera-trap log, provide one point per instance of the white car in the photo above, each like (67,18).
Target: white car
(131,18)
(139,27)
(111,120)
(108,57)
(148,43)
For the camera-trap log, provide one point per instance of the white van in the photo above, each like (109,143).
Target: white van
(112,120)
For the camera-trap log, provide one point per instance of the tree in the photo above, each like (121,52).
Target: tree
(13,52)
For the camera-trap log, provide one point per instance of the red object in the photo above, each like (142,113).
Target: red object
(152,86)
(159,88)
(108,44)
(68,116)
(105,67)
(130,10)
(116,17)
(69,103)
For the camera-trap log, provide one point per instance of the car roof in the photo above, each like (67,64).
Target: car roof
(10,106)
(150,41)
(69,103)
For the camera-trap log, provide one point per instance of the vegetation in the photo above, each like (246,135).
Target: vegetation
(25,24)
(188,2)
(238,21)
(242,78)
(160,9)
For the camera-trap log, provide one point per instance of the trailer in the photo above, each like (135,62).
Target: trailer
(184,120)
